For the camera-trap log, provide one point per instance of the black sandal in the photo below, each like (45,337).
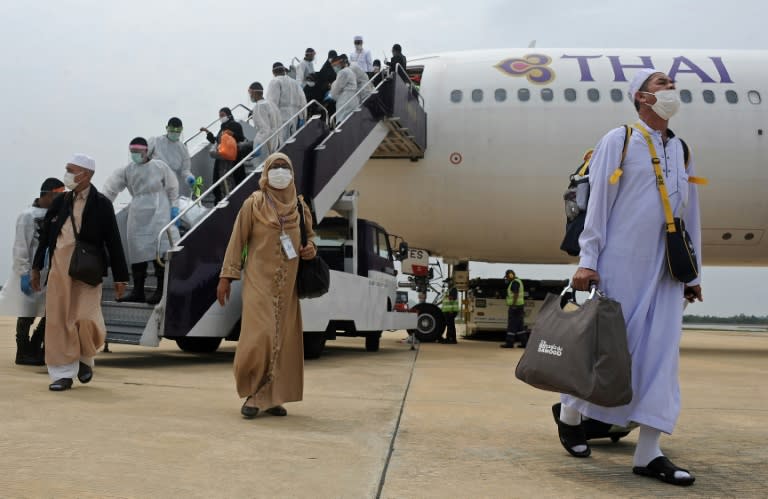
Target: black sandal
(278,410)
(664,470)
(572,436)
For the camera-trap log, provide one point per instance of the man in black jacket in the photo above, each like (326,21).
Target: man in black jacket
(75,327)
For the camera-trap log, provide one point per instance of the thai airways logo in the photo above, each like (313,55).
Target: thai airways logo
(548,349)
(535,67)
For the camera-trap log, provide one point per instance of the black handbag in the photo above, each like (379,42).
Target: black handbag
(87,263)
(314,276)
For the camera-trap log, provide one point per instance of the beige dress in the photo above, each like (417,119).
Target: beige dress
(75,326)
(269,361)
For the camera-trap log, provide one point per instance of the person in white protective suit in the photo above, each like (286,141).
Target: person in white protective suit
(17,298)
(362,82)
(155,192)
(265,118)
(288,96)
(173,152)
(343,88)
(361,56)
(306,67)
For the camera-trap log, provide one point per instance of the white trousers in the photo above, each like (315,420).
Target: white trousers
(69,370)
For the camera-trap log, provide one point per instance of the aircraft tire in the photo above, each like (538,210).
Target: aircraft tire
(198,344)
(431,322)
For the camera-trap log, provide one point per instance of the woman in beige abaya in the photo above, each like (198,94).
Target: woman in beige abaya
(269,362)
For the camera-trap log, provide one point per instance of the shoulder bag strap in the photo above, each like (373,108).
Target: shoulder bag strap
(72,215)
(303,229)
(618,171)
(669,217)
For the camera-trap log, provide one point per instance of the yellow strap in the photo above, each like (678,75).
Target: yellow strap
(618,172)
(670,219)
(584,168)
(698,180)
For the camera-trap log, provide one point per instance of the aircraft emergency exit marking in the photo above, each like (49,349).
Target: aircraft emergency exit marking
(536,67)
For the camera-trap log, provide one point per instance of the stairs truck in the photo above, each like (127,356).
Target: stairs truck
(326,155)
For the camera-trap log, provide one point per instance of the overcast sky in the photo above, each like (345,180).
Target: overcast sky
(88,76)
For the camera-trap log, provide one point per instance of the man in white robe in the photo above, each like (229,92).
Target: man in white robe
(623,248)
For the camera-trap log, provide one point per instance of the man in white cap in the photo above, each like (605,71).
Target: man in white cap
(75,327)
(287,95)
(361,56)
(623,249)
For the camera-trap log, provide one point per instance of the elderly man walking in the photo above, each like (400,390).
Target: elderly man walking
(75,329)
(623,249)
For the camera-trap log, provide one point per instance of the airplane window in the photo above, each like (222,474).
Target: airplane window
(686,96)
(547,95)
(754,97)
(709,96)
(524,94)
(593,94)
(456,96)
(477,95)
(500,94)
(570,94)
(731,96)
(617,95)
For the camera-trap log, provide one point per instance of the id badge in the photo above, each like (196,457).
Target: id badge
(290,252)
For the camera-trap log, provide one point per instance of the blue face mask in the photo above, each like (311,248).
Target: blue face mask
(174,136)
(336,69)
(137,157)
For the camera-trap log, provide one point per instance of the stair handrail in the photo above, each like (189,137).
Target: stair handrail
(400,69)
(187,141)
(374,90)
(167,229)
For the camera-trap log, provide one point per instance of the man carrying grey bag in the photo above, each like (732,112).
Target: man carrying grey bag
(623,248)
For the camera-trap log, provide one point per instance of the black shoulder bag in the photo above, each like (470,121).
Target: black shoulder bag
(314,277)
(87,264)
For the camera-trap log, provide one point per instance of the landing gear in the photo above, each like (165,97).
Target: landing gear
(198,345)
(430,324)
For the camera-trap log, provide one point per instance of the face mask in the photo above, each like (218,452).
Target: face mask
(137,157)
(69,181)
(336,69)
(667,103)
(174,136)
(279,178)
(224,119)
(310,84)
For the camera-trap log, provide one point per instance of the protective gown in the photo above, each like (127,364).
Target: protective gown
(304,69)
(176,156)
(624,241)
(265,119)
(155,190)
(287,95)
(12,301)
(362,81)
(343,91)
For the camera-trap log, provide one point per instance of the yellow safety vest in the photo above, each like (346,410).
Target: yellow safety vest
(449,305)
(511,296)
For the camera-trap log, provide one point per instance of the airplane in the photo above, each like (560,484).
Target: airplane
(507,127)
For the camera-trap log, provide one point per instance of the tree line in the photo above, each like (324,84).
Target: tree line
(734,319)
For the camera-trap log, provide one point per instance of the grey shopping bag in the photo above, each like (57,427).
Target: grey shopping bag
(582,352)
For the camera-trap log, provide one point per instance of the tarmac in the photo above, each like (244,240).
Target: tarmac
(441,421)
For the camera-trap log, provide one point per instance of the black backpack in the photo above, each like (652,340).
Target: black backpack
(576,197)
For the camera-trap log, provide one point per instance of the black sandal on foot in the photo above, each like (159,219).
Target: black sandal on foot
(247,411)
(572,436)
(664,469)
(278,410)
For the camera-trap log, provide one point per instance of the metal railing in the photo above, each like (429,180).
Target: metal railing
(400,69)
(352,102)
(187,141)
(167,230)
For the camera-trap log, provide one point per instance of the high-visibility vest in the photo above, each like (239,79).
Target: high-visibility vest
(449,305)
(511,296)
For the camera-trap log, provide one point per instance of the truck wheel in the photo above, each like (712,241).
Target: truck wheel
(198,344)
(431,322)
(372,341)
(314,343)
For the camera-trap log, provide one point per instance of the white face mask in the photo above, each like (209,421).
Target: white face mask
(69,181)
(667,103)
(279,178)
(224,119)
(310,84)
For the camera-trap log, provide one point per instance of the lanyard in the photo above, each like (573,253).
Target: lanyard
(670,221)
(280,219)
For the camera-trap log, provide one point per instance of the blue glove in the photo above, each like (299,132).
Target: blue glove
(327,96)
(257,153)
(191,180)
(26,284)
(174,214)
(301,122)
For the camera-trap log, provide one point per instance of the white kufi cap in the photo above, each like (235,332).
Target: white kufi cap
(638,80)
(84,161)
(358,38)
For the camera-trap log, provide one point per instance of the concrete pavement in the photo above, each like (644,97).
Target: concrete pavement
(162,423)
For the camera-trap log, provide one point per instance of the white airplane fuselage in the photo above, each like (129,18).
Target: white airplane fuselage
(491,183)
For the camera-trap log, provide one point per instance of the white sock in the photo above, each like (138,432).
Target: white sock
(648,449)
(571,417)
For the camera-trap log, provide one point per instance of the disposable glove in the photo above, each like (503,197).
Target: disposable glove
(26,284)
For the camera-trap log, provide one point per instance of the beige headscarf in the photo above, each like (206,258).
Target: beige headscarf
(284,201)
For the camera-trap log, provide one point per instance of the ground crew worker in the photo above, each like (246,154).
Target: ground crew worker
(450,307)
(516,308)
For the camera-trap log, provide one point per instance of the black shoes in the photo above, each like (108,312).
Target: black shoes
(278,410)
(60,385)
(84,373)
(249,412)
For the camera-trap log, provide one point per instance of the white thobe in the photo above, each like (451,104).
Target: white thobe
(624,241)
(363,59)
(265,119)
(287,95)
(343,91)
(176,156)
